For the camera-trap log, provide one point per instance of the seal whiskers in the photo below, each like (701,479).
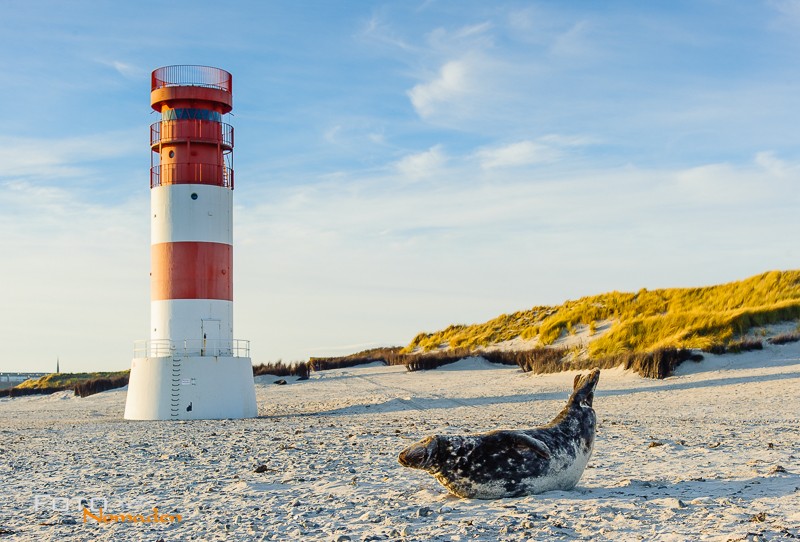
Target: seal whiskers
(506,463)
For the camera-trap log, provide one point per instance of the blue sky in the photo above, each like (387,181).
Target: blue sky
(400,166)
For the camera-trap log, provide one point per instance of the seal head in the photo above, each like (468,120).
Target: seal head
(422,455)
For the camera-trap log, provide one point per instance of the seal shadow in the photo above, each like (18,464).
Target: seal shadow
(418,403)
(685,490)
(716,382)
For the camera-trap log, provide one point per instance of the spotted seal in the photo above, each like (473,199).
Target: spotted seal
(508,463)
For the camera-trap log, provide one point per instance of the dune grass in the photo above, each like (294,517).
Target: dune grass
(693,318)
(83,384)
(67,380)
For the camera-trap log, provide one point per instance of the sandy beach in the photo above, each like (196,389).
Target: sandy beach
(710,453)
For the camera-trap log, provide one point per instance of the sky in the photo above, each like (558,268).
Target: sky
(400,166)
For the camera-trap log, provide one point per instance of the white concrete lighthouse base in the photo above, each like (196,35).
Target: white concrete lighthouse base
(191,388)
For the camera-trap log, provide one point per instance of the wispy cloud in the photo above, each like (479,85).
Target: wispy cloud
(724,184)
(789,9)
(128,70)
(63,157)
(331,134)
(461,40)
(474,30)
(543,150)
(772,164)
(521,153)
(450,83)
(378,30)
(423,164)
(572,42)
(569,140)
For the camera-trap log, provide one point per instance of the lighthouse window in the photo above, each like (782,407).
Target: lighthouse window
(186,113)
(194,195)
(172,154)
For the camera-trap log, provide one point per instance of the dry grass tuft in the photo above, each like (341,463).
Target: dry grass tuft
(22,392)
(536,360)
(785,338)
(279,368)
(97,385)
(360,358)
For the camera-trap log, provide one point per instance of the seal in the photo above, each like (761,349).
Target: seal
(506,463)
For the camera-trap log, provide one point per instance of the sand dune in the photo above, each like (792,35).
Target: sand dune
(708,454)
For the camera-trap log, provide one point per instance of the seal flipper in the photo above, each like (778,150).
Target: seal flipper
(534,444)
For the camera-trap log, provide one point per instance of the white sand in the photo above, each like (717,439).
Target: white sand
(330,445)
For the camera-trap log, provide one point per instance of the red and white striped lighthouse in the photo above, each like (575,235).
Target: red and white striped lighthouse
(192,367)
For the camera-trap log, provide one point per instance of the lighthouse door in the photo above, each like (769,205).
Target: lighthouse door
(210,338)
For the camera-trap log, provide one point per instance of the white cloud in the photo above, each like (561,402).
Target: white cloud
(474,30)
(332,133)
(790,9)
(569,140)
(523,19)
(451,83)
(379,138)
(60,158)
(125,69)
(129,71)
(772,164)
(710,183)
(423,164)
(377,30)
(522,153)
(725,184)
(470,38)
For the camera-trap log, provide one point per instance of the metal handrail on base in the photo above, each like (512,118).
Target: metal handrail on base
(158,348)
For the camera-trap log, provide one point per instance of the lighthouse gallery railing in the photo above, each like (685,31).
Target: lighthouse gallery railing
(195,76)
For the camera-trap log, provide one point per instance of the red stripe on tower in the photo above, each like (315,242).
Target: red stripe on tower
(191,270)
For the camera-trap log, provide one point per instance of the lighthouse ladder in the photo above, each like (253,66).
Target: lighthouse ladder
(175,399)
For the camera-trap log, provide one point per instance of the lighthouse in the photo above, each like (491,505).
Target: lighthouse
(191,367)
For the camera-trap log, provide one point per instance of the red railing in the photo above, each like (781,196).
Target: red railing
(191,76)
(168,131)
(185,173)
